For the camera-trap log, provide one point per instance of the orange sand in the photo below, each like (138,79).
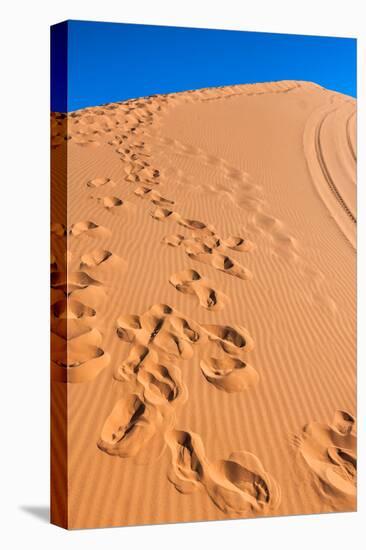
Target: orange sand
(203,306)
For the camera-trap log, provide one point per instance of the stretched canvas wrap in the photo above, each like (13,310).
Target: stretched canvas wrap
(202,274)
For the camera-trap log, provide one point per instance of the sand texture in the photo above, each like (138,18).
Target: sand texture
(203,306)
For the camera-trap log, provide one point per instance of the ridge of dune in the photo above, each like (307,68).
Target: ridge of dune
(203,304)
(248,89)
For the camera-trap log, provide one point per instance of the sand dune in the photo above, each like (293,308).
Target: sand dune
(203,306)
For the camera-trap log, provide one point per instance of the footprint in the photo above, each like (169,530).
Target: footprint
(343,422)
(151,174)
(132,364)
(143,191)
(173,240)
(142,173)
(229,266)
(133,152)
(196,225)
(77,355)
(79,280)
(85,142)
(329,452)
(196,249)
(69,308)
(69,282)
(84,348)
(99,182)
(240,485)
(95,258)
(162,329)
(133,173)
(171,342)
(158,200)
(237,486)
(60,261)
(115,142)
(233,340)
(191,282)
(127,327)
(210,242)
(188,460)
(343,476)
(196,245)
(203,250)
(238,243)
(88,227)
(127,153)
(284,245)
(128,428)
(229,374)
(173,333)
(153,196)
(111,202)
(162,384)
(67,328)
(103,263)
(162,214)
(186,329)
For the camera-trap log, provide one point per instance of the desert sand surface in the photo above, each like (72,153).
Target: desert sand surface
(203,306)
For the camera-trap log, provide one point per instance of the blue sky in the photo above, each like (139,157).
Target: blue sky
(108,62)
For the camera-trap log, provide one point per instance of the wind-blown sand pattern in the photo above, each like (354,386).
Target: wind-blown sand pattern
(203,306)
